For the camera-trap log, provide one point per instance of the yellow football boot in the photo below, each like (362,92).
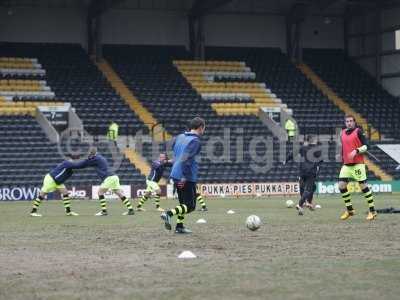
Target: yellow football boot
(347,214)
(371,216)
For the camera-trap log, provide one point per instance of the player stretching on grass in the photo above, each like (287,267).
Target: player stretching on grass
(354,144)
(110,182)
(184,174)
(55,181)
(152,187)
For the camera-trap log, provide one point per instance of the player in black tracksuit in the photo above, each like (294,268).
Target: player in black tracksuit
(311,159)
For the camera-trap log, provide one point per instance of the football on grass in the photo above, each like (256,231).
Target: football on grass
(289,203)
(253,222)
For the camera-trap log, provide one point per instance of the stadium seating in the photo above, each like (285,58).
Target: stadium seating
(359,89)
(22,108)
(208,79)
(20,66)
(75,79)
(14,84)
(362,93)
(26,155)
(274,69)
(150,73)
(68,72)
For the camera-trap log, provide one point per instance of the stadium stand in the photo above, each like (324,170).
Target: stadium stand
(273,68)
(374,107)
(14,84)
(74,78)
(22,108)
(150,73)
(314,112)
(145,116)
(26,155)
(202,75)
(67,70)
(22,80)
(338,101)
(359,89)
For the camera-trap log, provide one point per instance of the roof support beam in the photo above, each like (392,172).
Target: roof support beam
(196,24)
(93,25)
(294,21)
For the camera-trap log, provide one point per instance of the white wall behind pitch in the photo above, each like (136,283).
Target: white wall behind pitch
(43,25)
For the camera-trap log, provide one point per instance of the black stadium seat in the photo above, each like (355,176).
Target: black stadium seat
(75,79)
(149,72)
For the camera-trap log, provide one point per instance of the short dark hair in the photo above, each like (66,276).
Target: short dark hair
(196,123)
(350,116)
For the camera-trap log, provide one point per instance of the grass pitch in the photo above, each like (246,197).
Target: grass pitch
(316,256)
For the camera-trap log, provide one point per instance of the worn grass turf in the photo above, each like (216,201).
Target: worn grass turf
(316,256)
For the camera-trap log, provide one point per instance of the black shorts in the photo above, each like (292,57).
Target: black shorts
(187,195)
(307,183)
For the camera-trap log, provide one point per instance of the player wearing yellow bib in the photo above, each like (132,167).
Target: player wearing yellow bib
(152,187)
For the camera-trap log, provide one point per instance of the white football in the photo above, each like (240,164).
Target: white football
(289,203)
(253,222)
(317,206)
